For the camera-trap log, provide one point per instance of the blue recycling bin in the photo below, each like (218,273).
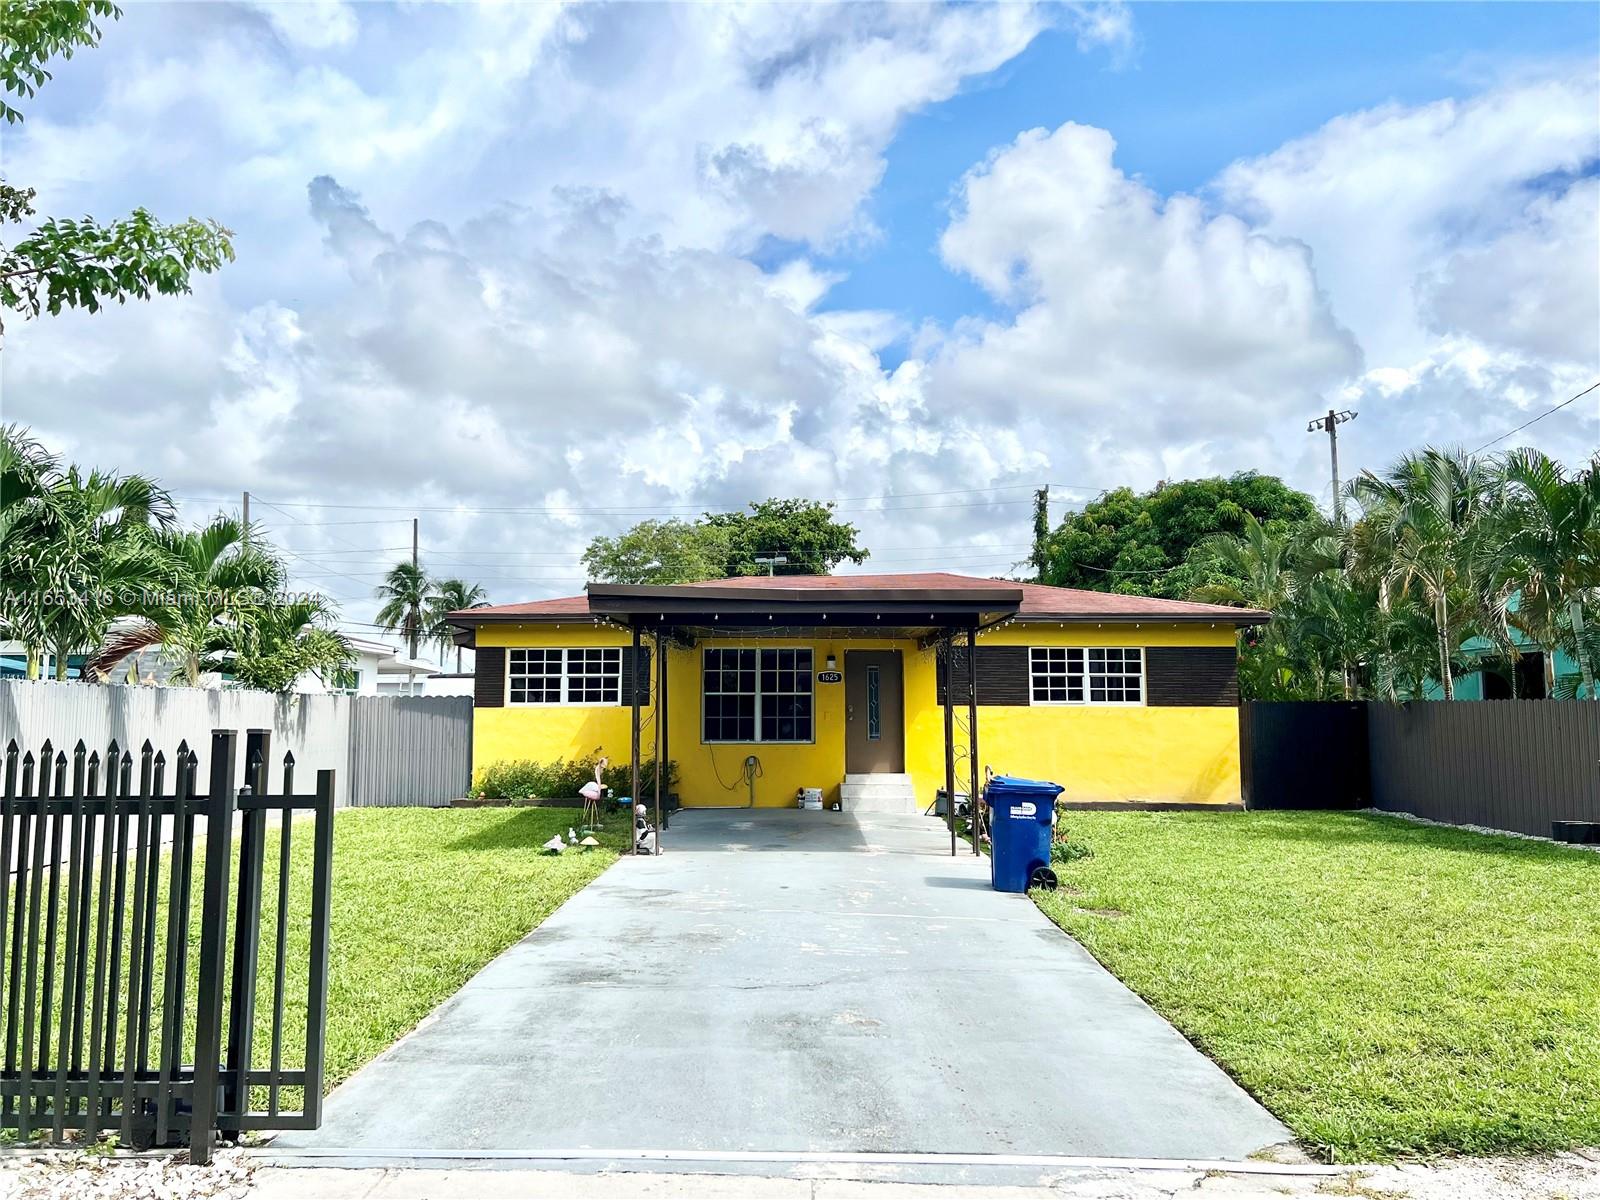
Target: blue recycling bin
(1022,815)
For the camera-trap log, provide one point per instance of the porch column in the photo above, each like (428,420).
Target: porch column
(972,732)
(633,841)
(661,729)
(949,739)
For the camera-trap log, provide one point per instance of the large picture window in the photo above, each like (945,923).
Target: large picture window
(1086,675)
(589,675)
(755,695)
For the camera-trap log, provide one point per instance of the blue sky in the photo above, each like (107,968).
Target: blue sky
(1203,85)
(539,272)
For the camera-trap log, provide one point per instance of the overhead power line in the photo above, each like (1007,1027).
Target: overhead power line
(646,509)
(1540,417)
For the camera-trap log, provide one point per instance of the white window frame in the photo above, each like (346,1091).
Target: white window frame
(571,669)
(809,674)
(1081,677)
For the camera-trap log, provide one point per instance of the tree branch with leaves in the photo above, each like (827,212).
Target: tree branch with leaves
(81,262)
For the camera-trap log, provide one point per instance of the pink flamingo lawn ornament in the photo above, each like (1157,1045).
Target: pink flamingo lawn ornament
(593,793)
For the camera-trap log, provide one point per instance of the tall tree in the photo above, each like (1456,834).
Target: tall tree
(805,532)
(404,592)
(1138,543)
(80,262)
(718,545)
(659,552)
(448,596)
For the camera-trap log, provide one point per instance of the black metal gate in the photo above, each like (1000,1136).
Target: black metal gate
(122,1010)
(1304,754)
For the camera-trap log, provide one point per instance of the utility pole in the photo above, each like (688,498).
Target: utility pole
(411,676)
(247,516)
(1331,423)
(1041,532)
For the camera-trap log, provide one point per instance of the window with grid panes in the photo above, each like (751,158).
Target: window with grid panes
(594,675)
(785,701)
(1115,674)
(757,695)
(1078,675)
(534,676)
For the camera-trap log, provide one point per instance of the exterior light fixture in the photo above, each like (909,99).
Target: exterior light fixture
(833,663)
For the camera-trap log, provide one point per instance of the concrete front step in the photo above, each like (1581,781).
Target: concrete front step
(878,793)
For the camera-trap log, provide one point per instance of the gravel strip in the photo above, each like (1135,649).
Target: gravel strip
(1489,829)
(74,1175)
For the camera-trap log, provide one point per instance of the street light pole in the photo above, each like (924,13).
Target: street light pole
(771,561)
(1331,423)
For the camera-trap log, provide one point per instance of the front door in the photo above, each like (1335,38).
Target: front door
(875,726)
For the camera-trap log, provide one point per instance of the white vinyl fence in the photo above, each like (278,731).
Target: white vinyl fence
(426,741)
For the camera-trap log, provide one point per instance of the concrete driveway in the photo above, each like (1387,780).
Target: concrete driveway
(784,981)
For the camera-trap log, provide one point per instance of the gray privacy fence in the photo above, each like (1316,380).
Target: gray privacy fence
(427,739)
(409,750)
(1519,765)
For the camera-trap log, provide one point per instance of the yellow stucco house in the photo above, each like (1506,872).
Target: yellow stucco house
(760,687)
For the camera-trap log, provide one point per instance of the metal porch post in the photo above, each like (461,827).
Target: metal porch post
(633,841)
(950,740)
(661,730)
(972,733)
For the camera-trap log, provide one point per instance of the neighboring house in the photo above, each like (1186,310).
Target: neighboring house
(399,676)
(14,663)
(1496,678)
(837,683)
(1493,676)
(378,670)
(449,683)
(360,678)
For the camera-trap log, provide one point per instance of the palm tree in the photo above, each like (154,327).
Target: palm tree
(1256,563)
(1329,623)
(1255,573)
(27,471)
(209,578)
(1430,509)
(1547,549)
(98,558)
(405,594)
(448,596)
(283,642)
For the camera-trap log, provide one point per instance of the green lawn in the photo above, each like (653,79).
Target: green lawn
(1385,988)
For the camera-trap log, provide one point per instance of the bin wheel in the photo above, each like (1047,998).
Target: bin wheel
(1043,877)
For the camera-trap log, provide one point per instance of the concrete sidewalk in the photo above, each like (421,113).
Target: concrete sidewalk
(234,1176)
(372,1184)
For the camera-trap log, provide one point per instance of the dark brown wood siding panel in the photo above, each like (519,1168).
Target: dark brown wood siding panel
(1191,676)
(1002,675)
(629,675)
(489,677)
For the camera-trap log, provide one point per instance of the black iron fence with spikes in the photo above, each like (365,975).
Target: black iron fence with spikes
(123,1012)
